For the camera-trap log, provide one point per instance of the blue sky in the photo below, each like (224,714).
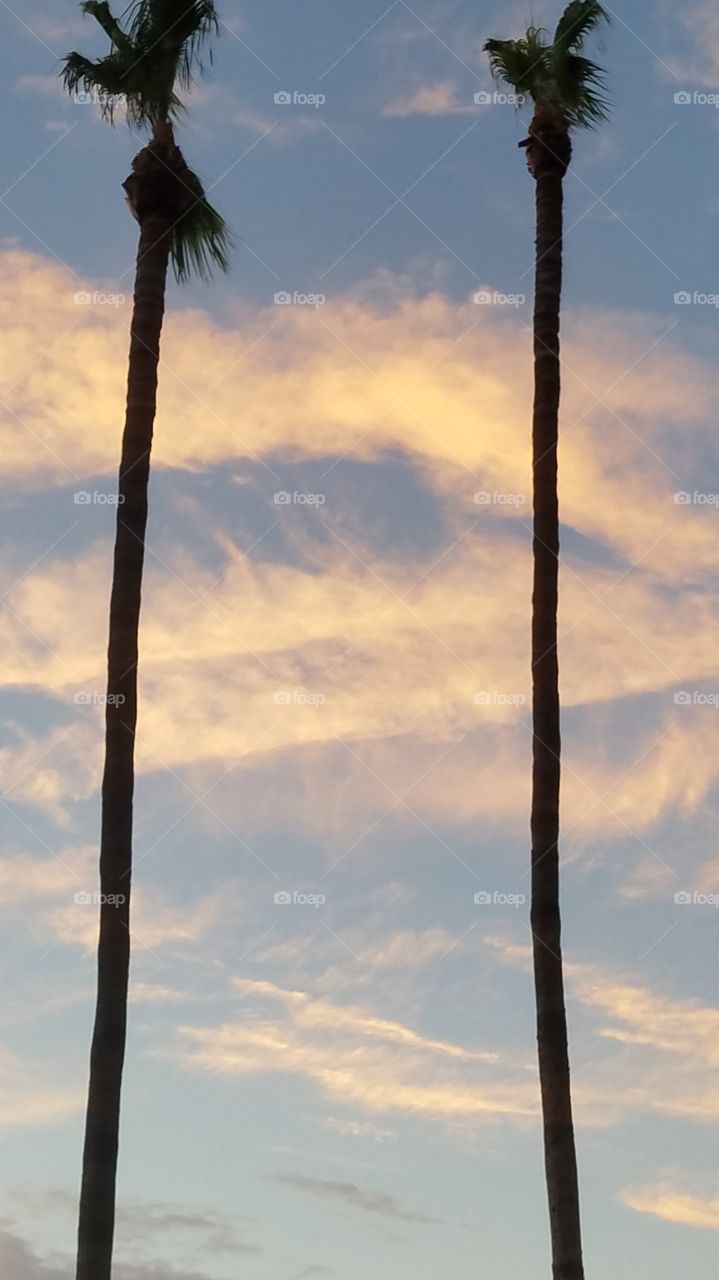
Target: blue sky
(334,684)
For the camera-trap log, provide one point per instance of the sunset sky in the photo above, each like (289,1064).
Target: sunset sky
(334,657)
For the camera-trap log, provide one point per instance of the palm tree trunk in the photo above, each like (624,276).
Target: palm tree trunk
(559,1149)
(97,1197)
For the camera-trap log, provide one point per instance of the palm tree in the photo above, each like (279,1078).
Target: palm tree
(566,89)
(152,53)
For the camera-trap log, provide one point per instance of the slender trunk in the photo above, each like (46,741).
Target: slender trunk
(559,1149)
(97,1197)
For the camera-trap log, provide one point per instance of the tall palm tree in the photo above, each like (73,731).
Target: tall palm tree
(152,53)
(566,89)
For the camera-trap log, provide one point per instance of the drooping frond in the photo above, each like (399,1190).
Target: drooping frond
(521,64)
(104,79)
(154,48)
(202,240)
(581,86)
(556,76)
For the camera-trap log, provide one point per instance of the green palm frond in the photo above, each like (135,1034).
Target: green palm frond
(522,64)
(202,239)
(100,11)
(579,20)
(174,29)
(155,48)
(556,75)
(581,86)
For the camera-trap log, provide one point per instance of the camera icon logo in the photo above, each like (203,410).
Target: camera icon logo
(83,698)
(82,899)
(682,899)
(283,898)
(482,899)
(282,498)
(682,499)
(283,699)
(283,299)
(483,98)
(82,498)
(283,98)
(682,699)
(483,298)
(682,298)
(682,98)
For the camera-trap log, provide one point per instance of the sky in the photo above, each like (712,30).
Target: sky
(331,1063)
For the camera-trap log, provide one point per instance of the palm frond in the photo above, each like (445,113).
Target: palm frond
(556,76)
(581,85)
(174,29)
(103,79)
(157,48)
(579,20)
(522,64)
(100,11)
(154,48)
(202,239)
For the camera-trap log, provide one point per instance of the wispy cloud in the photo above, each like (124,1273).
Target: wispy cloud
(666,1201)
(376,1063)
(440,99)
(349,1193)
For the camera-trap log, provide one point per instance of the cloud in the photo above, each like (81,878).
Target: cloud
(359,1129)
(655,1054)
(61,888)
(349,1193)
(147,1230)
(699,64)
(379,1064)
(391,641)
(438,99)
(662,1200)
(20,1261)
(449,383)
(42,86)
(29,1099)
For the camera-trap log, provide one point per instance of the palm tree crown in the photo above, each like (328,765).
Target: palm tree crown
(152,53)
(565,86)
